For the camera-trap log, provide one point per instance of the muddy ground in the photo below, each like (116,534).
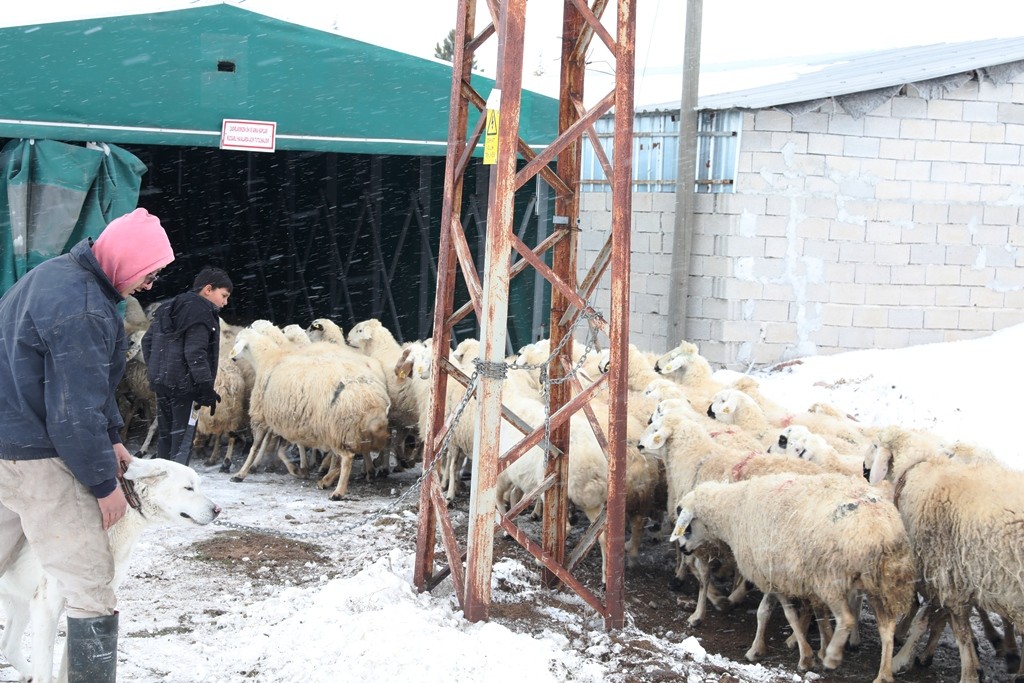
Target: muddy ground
(652,606)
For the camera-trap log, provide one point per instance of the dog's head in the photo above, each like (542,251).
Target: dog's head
(169,492)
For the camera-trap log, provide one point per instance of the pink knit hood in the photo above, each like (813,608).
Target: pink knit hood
(131,247)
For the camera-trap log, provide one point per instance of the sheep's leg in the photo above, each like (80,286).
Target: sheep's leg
(804,611)
(970,667)
(856,600)
(303,463)
(844,624)
(759,648)
(261,437)
(1005,643)
(1011,650)
(443,468)
(806,653)
(724,603)
(936,626)
(823,620)
(538,513)
(150,435)
(701,570)
(211,460)
(636,534)
(452,463)
(282,455)
(345,471)
(226,465)
(333,472)
(886,634)
(133,409)
(918,626)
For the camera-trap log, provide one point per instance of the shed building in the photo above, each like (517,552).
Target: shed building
(873,203)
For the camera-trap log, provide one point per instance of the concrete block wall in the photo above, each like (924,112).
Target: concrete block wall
(902,227)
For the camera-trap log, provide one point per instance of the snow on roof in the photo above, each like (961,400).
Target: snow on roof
(864,72)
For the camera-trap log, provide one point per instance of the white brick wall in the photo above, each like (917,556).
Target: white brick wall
(903,227)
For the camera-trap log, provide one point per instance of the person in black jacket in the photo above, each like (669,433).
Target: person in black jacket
(181,349)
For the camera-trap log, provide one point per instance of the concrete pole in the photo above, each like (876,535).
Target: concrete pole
(679,286)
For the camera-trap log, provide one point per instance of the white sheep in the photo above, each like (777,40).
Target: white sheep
(691,456)
(134,317)
(966,525)
(231,416)
(134,386)
(800,442)
(736,407)
(320,399)
(584,360)
(817,538)
(685,365)
(587,485)
(373,339)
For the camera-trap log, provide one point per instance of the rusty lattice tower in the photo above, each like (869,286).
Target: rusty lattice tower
(513,164)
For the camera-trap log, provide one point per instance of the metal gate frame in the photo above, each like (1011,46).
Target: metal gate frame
(489,301)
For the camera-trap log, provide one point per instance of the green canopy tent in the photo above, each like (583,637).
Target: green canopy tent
(171,78)
(55,194)
(361,134)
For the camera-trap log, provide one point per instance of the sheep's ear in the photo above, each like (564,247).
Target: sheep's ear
(880,467)
(672,364)
(682,523)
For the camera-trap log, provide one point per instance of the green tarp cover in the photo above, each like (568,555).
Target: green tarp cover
(52,195)
(171,78)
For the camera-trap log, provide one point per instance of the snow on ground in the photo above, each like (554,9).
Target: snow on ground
(349,610)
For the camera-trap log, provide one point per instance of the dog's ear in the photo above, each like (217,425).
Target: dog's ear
(145,469)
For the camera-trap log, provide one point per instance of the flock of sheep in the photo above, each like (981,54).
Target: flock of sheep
(816,510)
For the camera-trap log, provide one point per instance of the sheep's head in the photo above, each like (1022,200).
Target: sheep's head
(677,359)
(403,366)
(688,532)
(362,333)
(296,335)
(663,388)
(421,357)
(243,343)
(725,405)
(324,329)
(877,460)
(262,326)
(789,441)
(134,345)
(604,361)
(966,452)
(654,437)
(466,352)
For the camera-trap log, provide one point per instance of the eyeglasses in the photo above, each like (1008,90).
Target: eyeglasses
(151,278)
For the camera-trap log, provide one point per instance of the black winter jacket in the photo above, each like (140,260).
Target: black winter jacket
(182,345)
(62,348)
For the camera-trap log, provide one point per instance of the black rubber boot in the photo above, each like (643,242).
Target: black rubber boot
(92,650)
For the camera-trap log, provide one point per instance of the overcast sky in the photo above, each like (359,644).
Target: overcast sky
(736,34)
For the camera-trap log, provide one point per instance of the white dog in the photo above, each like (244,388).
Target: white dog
(168,494)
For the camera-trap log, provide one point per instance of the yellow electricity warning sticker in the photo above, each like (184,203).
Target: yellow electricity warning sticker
(491,137)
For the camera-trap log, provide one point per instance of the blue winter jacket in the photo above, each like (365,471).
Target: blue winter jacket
(62,348)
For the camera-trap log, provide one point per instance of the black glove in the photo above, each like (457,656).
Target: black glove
(208,397)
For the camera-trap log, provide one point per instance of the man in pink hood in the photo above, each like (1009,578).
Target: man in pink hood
(62,348)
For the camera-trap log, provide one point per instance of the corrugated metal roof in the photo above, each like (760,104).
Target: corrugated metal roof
(864,72)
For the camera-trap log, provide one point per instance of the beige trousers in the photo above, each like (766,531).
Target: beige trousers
(41,501)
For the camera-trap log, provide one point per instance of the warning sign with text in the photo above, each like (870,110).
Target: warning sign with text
(252,136)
